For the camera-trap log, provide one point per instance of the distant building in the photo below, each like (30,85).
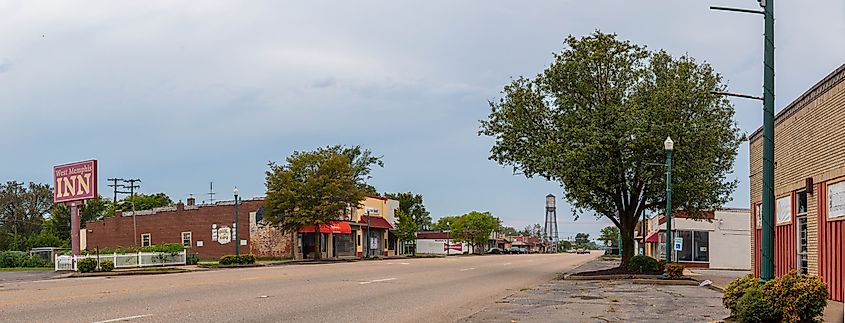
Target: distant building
(809,185)
(721,239)
(440,243)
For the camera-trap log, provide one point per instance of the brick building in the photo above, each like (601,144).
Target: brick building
(207,229)
(809,185)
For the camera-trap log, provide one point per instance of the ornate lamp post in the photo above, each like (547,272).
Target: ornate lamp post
(668,145)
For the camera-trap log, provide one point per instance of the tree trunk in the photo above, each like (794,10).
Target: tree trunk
(627,232)
(318,251)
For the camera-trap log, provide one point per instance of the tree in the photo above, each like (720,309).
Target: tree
(362,161)
(22,211)
(411,216)
(312,189)
(142,202)
(582,240)
(474,228)
(610,236)
(444,223)
(595,121)
(565,245)
(508,231)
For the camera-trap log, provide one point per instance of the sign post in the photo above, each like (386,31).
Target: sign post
(75,183)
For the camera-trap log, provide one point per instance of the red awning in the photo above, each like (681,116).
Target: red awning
(652,237)
(334,227)
(375,222)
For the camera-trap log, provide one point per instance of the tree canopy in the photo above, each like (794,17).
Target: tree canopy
(22,212)
(474,227)
(444,223)
(411,217)
(610,236)
(315,187)
(595,121)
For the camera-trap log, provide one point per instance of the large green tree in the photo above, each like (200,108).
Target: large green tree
(22,211)
(595,121)
(474,228)
(411,217)
(444,223)
(610,236)
(98,207)
(314,188)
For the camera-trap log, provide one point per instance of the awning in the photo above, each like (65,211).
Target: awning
(334,227)
(375,222)
(652,237)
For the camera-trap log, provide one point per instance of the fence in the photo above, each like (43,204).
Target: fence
(129,260)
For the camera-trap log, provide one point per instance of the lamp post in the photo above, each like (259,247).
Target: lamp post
(668,145)
(237,241)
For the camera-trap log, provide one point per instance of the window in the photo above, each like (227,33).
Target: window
(801,219)
(359,239)
(186,239)
(145,240)
(695,247)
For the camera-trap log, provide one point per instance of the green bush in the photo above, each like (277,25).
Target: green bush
(755,307)
(34,262)
(799,298)
(228,260)
(235,260)
(106,265)
(736,289)
(193,259)
(87,265)
(675,271)
(643,264)
(661,265)
(248,259)
(13,259)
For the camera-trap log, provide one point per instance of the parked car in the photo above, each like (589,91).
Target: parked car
(494,251)
(582,251)
(515,250)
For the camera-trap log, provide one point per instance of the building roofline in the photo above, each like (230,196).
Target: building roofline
(826,83)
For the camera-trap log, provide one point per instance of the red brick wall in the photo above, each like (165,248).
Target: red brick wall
(167,227)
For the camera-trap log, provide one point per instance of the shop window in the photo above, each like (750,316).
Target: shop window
(359,239)
(146,240)
(695,247)
(186,239)
(801,219)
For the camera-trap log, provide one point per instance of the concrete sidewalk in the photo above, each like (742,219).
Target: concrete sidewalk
(605,301)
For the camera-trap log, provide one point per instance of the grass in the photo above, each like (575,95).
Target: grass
(27,268)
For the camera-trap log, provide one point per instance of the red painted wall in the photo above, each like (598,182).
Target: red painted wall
(786,250)
(831,251)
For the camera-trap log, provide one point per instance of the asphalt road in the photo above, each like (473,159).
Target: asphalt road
(402,290)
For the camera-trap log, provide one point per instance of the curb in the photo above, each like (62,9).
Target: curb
(126,273)
(667,282)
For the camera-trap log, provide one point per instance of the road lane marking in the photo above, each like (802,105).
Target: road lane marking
(376,281)
(465,269)
(508,263)
(404,263)
(128,318)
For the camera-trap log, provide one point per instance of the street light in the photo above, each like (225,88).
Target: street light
(237,241)
(668,145)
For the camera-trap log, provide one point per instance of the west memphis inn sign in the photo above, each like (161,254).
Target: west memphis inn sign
(75,183)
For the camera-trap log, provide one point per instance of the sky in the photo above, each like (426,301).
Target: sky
(183,93)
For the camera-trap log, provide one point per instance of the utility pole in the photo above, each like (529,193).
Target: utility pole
(211,192)
(668,145)
(116,187)
(366,241)
(767,260)
(132,188)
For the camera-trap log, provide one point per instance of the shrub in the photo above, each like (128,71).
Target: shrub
(228,260)
(106,265)
(736,289)
(661,265)
(35,261)
(675,271)
(799,298)
(643,264)
(87,265)
(755,307)
(13,259)
(248,259)
(193,259)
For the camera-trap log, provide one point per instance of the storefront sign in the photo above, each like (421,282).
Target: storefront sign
(784,209)
(224,235)
(836,200)
(75,182)
(213,232)
(679,244)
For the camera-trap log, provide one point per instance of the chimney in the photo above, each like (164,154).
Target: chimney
(180,206)
(191,200)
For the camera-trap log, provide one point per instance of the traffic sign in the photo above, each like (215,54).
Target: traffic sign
(679,244)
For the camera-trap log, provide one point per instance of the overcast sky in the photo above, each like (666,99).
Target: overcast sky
(180,94)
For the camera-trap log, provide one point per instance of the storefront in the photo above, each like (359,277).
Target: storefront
(809,185)
(336,241)
(718,239)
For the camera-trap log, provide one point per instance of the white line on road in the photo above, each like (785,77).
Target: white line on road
(376,281)
(508,263)
(465,269)
(405,263)
(128,318)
